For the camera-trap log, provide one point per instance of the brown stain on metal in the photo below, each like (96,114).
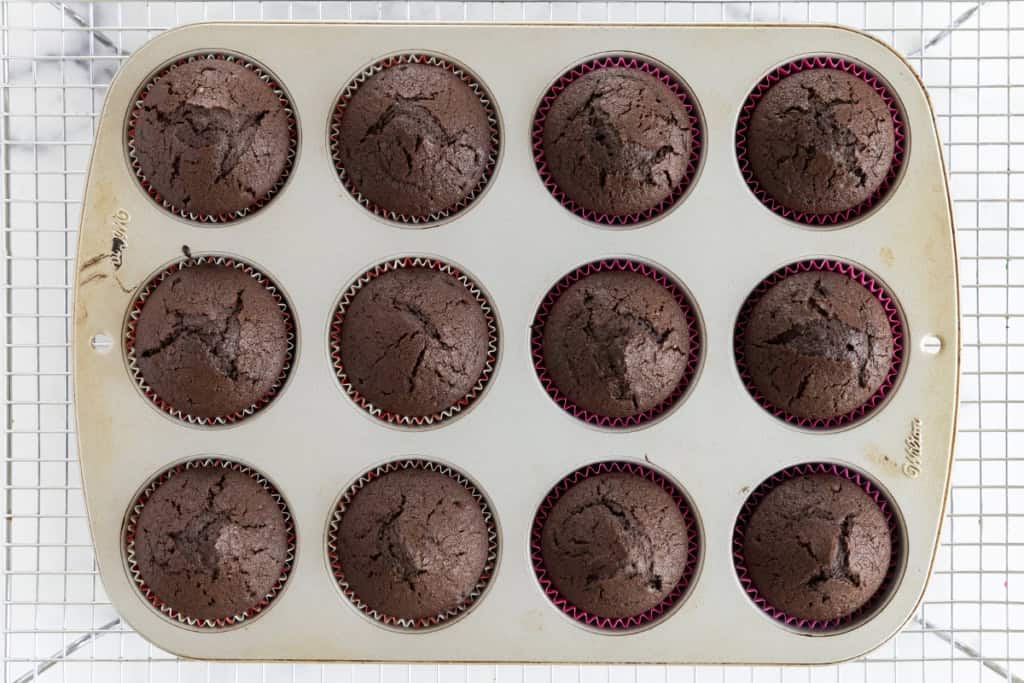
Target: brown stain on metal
(92,278)
(99,419)
(876,455)
(98,258)
(124,288)
(101,195)
(533,621)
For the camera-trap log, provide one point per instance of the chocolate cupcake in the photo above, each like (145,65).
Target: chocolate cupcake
(210,340)
(212,137)
(815,546)
(414,341)
(616,140)
(413,544)
(614,545)
(616,343)
(820,140)
(415,138)
(819,343)
(210,543)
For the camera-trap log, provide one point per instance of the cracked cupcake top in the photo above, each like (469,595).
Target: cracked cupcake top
(821,141)
(817,547)
(616,343)
(212,138)
(413,544)
(414,341)
(414,139)
(615,544)
(211,340)
(818,344)
(211,542)
(617,140)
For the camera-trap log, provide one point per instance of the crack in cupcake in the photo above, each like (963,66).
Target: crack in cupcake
(210,340)
(817,345)
(211,138)
(211,543)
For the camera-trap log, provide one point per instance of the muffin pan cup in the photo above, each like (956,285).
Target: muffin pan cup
(136,311)
(813,625)
(834,218)
(258,202)
(634,621)
(494,128)
(493,341)
(895,325)
(516,443)
(624,61)
(692,357)
(136,575)
(338,568)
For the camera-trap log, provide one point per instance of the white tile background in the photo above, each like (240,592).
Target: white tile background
(56,62)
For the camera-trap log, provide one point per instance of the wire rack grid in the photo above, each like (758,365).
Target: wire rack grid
(57,60)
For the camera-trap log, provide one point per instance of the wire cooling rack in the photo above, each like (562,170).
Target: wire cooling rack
(57,61)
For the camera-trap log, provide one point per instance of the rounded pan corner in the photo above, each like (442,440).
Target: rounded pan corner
(140,55)
(859,34)
(864,35)
(155,43)
(861,652)
(153,634)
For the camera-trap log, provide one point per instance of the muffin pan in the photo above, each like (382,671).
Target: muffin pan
(515,443)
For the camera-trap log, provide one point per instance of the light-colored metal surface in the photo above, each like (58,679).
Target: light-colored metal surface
(515,443)
(56,64)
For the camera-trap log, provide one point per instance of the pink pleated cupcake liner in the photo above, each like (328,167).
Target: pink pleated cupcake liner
(581,615)
(293,143)
(537,342)
(540,160)
(494,129)
(338,568)
(492,341)
(805,64)
(140,582)
(739,560)
(136,311)
(895,324)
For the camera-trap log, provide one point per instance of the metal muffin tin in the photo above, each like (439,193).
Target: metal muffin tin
(312,441)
